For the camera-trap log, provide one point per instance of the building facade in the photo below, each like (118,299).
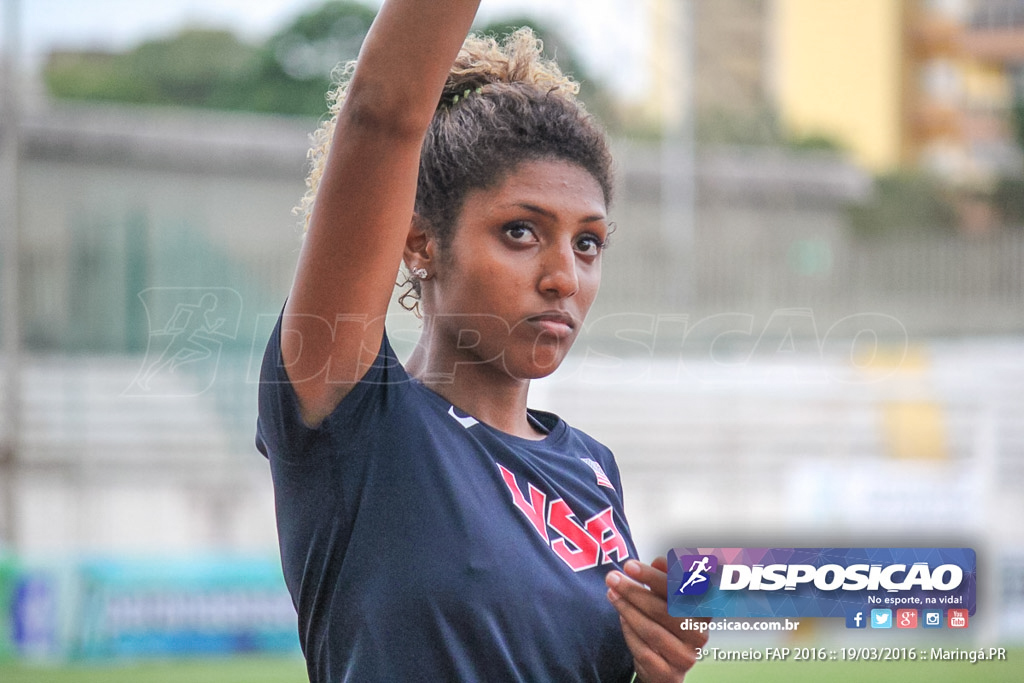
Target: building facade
(927,84)
(897,84)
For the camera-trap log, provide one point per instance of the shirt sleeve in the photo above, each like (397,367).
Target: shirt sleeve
(280,430)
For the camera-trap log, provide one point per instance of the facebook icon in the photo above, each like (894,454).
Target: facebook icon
(856,620)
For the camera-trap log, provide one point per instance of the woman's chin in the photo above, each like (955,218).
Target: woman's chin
(537,366)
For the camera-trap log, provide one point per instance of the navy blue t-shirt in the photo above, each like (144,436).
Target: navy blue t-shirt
(420,544)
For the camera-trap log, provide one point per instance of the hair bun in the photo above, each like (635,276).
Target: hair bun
(484,63)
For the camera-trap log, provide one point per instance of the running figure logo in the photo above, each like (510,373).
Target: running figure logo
(187,329)
(695,580)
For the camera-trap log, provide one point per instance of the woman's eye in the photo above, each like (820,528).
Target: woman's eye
(589,245)
(519,232)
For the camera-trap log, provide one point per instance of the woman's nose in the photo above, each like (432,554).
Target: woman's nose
(559,276)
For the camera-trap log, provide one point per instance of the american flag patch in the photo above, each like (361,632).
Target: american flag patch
(602,478)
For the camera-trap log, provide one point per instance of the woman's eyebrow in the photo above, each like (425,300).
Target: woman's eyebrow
(553,216)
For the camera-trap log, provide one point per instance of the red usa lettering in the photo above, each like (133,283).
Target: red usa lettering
(581,546)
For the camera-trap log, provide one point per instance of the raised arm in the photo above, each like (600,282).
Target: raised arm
(334,317)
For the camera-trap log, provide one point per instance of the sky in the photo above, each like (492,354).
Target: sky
(608,33)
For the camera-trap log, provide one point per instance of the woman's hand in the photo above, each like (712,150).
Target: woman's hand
(662,651)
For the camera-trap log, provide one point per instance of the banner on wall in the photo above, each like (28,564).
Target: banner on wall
(159,608)
(111,608)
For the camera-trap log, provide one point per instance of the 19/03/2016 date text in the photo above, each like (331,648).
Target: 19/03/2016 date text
(851,654)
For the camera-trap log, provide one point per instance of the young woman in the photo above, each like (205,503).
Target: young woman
(431,526)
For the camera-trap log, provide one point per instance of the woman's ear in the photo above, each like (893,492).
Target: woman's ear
(420,248)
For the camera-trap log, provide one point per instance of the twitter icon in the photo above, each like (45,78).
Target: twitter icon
(881,618)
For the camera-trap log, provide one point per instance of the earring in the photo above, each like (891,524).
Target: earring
(420,273)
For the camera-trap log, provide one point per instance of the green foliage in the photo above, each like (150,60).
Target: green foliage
(816,142)
(1008,200)
(905,203)
(296,63)
(724,127)
(756,127)
(312,45)
(289,74)
(1018,122)
(1008,197)
(197,67)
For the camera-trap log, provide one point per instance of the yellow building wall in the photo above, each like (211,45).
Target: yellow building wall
(663,107)
(838,72)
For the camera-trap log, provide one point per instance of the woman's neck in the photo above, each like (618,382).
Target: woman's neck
(483,390)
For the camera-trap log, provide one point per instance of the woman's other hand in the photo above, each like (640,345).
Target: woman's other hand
(662,651)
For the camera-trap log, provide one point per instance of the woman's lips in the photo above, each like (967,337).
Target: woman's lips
(557,323)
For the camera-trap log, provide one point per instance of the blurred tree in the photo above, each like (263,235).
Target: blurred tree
(1008,197)
(719,126)
(313,44)
(196,67)
(903,204)
(289,74)
(1018,121)
(1008,200)
(296,63)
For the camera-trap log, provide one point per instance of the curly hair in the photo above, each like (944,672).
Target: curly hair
(502,104)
